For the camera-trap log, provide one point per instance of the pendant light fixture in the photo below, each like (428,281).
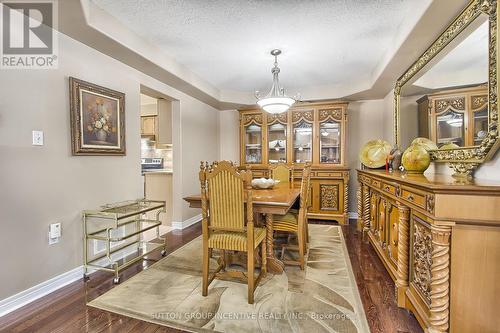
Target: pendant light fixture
(275,101)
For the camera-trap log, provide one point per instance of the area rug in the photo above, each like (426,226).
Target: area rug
(322,298)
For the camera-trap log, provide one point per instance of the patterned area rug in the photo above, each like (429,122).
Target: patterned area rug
(323,298)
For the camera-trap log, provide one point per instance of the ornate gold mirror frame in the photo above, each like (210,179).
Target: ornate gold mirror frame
(463,160)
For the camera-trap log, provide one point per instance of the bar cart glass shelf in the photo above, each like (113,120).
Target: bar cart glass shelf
(120,228)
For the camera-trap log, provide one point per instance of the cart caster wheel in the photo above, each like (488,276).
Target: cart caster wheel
(116,280)
(85,277)
(163,253)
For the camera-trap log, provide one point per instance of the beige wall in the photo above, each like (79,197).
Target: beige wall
(408,120)
(388,117)
(365,123)
(229,135)
(42,185)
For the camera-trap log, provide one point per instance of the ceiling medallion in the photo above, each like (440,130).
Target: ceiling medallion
(275,101)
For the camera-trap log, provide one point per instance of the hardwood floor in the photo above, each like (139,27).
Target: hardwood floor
(65,310)
(376,288)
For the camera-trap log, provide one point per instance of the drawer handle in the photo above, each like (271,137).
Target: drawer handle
(387,188)
(411,198)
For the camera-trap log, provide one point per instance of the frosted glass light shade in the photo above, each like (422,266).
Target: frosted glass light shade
(276,104)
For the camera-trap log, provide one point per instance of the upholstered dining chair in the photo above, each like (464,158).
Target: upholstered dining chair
(282,172)
(224,212)
(295,222)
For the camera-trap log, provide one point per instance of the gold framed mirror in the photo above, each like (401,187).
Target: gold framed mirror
(450,92)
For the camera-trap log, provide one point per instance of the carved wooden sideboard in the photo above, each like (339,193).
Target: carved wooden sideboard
(439,239)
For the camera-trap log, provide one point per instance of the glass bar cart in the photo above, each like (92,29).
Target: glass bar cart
(116,232)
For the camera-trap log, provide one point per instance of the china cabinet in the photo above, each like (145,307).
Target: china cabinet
(458,116)
(441,250)
(308,132)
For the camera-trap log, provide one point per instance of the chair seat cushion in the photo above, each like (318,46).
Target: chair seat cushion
(288,222)
(234,241)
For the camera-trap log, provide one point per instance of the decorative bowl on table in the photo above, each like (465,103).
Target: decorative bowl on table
(263,183)
(374,153)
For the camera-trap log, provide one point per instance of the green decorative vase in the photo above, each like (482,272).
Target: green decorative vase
(416,159)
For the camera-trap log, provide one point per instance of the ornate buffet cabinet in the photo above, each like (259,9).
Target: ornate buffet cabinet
(439,239)
(307,132)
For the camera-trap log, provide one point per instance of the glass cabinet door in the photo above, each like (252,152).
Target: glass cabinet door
(277,143)
(253,143)
(480,125)
(302,142)
(450,128)
(329,142)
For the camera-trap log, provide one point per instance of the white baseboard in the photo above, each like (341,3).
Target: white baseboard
(29,295)
(353,215)
(186,223)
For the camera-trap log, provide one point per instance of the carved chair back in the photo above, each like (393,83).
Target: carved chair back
(282,172)
(223,193)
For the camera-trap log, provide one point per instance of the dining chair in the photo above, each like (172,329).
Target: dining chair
(282,172)
(295,222)
(224,212)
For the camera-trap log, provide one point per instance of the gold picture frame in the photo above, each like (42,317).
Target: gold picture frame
(97,119)
(463,160)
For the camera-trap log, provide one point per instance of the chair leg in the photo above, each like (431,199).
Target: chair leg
(263,250)
(307,231)
(301,241)
(206,259)
(223,259)
(251,277)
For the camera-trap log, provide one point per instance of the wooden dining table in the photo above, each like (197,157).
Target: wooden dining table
(277,200)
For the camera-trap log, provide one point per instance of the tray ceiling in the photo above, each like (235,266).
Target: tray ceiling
(227,43)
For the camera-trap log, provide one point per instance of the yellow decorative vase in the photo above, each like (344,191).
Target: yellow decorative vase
(449,145)
(416,159)
(428,144)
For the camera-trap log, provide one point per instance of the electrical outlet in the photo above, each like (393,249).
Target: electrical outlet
(55,233)
(37,138)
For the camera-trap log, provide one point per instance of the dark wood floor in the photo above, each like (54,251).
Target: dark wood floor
(65,310)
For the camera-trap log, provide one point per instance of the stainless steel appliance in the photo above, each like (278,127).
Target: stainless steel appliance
(151,164)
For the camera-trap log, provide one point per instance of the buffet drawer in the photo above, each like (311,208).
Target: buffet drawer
(376,183)
(328,174)
(391,189)
(413,197)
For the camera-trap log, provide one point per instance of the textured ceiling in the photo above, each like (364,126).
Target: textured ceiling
(227,43)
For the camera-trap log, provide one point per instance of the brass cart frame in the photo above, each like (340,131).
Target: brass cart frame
(126,215)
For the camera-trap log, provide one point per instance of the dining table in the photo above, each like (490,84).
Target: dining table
(266,202)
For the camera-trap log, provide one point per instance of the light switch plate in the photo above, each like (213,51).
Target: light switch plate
(37,138)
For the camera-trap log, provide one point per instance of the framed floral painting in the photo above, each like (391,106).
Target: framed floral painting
(97,119)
